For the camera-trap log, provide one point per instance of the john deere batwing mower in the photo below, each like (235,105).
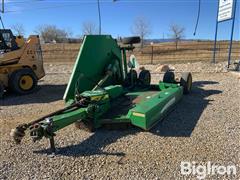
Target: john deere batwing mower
(104,90)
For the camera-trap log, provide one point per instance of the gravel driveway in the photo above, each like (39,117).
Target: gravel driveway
(205,126)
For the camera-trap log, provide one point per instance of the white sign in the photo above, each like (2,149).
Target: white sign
(225,10)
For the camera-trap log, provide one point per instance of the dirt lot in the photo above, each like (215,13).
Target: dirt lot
(204,127)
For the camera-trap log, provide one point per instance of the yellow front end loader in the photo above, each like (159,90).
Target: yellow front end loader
(21,63)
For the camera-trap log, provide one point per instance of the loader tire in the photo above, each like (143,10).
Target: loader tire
(1,90)
(186,82)
(23,81)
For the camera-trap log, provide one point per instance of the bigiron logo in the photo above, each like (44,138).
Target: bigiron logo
(202,171)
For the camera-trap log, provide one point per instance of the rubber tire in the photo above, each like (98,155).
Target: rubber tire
(1,90)
(144,78)
(169,77)
(131,74)
(131,40)
(15,78)
(186,82)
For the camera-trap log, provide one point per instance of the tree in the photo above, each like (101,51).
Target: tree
(177,33)
(18,29)
(88,28)
(141,27)
(50,33)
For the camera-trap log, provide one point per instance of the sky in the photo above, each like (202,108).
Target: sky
(118,17)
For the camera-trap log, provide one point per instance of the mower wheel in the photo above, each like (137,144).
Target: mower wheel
(186,82)
(131,40)
(169,77)
(1,90)
(144,78)
(23,81)
(132,77)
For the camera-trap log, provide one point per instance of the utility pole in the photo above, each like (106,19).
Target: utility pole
(2,6)
(2,13)
(99,18)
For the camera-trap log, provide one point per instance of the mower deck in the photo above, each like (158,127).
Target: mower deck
(144,107)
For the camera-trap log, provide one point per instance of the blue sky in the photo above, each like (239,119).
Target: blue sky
(118,17)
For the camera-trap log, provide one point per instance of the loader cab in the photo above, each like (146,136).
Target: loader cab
(7,41)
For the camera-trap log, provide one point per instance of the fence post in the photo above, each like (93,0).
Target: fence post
(152,53)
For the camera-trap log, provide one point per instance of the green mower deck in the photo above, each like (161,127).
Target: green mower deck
(143,108)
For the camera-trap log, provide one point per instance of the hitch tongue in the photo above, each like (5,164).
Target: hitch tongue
(36,132)
(18,133)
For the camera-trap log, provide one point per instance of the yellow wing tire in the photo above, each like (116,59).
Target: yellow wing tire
(23,81)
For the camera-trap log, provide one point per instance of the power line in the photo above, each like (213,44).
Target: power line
(21,2)
(64,3)
(57,1)
(42,8)
(107,1)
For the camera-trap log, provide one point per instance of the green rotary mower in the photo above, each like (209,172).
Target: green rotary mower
(105,90)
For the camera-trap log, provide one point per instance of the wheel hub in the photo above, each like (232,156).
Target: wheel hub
(26,82)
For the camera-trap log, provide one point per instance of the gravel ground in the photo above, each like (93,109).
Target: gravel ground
(204,127)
